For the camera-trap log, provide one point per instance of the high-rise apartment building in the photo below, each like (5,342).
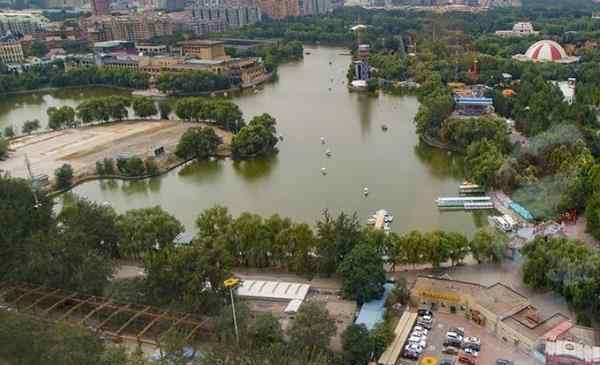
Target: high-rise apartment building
(280,9)
(101,7)
(24,22)
(210,16)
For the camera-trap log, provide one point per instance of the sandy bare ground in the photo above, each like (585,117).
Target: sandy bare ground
(82,147)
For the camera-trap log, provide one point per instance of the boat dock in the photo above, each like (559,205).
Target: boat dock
(466,203)
(469,188)
(381,220)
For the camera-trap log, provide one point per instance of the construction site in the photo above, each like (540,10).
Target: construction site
(40,154)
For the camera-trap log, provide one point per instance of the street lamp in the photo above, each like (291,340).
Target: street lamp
(230,284)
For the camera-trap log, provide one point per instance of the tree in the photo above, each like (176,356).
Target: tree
(64,176)
(165,108)
(259,137)
(337,237)
(9,132)
(142,230)
(437,249)
(213,223)
(488,245)
(3,148)
(31,126)
(592,215)
(190,277)
(97,223)
(265,331)
(311,330)
(458,247)
(482,162)
(38,49)
(399,293)
(60,117)
(356,345)
(135,167)
(23,214)
(63,259)
(144,107)
(171,345)
(26,340)
(151,167)
(362,274)
(198,142)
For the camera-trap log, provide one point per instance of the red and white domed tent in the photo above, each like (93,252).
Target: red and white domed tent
(546,51)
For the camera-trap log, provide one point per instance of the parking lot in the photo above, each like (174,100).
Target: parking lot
(492,348)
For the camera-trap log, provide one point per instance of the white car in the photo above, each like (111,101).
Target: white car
(472,340)
(413,347)
(418,333)
(454,336)
(421,329)
(417,341)
(471,352)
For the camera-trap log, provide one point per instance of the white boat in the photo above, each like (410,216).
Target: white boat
(366,191)
(322,140)
(328,153)
(323,171)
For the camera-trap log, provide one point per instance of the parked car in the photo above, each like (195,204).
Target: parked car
(472,340)
(453,336)
(421,341)
(421,329)
(424,312)
(453,342)
(414,347)
(458,330)
(424,324)
(449,350)
(504,362)
(411,354)
(471,352)
(447,362)
(419,333)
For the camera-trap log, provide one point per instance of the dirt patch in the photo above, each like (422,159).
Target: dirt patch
(82,147)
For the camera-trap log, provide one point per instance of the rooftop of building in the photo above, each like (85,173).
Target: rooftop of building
(529,323)
(445,285)
(500,299)
(109,44)
(200,42)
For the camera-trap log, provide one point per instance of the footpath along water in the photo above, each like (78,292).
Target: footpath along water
(310,100)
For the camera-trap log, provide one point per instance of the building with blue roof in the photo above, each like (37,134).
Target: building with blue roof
(372,312)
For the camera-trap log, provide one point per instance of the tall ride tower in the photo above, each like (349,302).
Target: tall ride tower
(361,64)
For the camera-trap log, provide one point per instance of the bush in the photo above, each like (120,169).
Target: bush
(165,108)
(151,167)
(64,176)
(109,166)
(100,168)
(135,167)
(122,165)
(30,126)
(9,132)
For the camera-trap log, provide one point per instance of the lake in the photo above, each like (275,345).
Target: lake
(310,100)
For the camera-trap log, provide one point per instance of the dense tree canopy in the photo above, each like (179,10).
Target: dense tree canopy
(146,229)
(258,138)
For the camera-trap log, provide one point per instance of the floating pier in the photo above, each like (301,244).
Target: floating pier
(466,203)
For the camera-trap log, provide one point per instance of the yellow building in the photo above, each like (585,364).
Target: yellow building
(204,49)
(11,53)
(498,308)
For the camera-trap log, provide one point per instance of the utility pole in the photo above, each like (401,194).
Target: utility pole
(231,284)
(33,188)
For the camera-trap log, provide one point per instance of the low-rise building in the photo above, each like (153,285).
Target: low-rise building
(151,49)
(246,72)
(521,29)
(204,49)
(500,309)
(24,22)
(11,53)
